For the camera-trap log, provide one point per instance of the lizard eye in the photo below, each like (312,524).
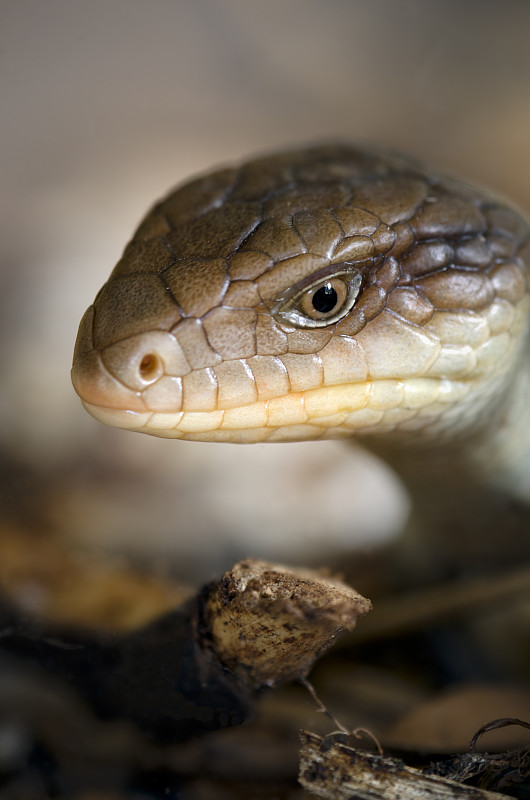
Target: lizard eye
(320,299)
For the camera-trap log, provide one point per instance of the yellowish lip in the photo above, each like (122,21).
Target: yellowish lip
(117,417)
(335,411)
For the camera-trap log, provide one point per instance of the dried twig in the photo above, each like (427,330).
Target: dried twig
(334,771)
(503,722)
(269,623)
(195,669)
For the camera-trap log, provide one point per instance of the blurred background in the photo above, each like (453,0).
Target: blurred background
(104,107)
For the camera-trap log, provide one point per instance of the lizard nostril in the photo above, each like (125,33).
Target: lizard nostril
(150,368)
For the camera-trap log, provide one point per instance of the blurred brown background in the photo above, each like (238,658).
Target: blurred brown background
(107,104)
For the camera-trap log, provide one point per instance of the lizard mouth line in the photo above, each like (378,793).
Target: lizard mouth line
(342,409)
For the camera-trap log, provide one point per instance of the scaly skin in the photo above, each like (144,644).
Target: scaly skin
(207,327)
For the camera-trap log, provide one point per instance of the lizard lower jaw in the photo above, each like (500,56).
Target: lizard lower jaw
(331,412)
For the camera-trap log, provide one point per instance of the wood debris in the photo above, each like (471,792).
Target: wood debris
(195,668)
(333,770)
(270,623)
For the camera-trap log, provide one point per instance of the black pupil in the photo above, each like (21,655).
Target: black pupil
(325,299)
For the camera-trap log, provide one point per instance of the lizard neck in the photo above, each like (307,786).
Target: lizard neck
(470,499)
(494,454)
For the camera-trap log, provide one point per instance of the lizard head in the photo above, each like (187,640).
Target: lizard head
(312,294)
